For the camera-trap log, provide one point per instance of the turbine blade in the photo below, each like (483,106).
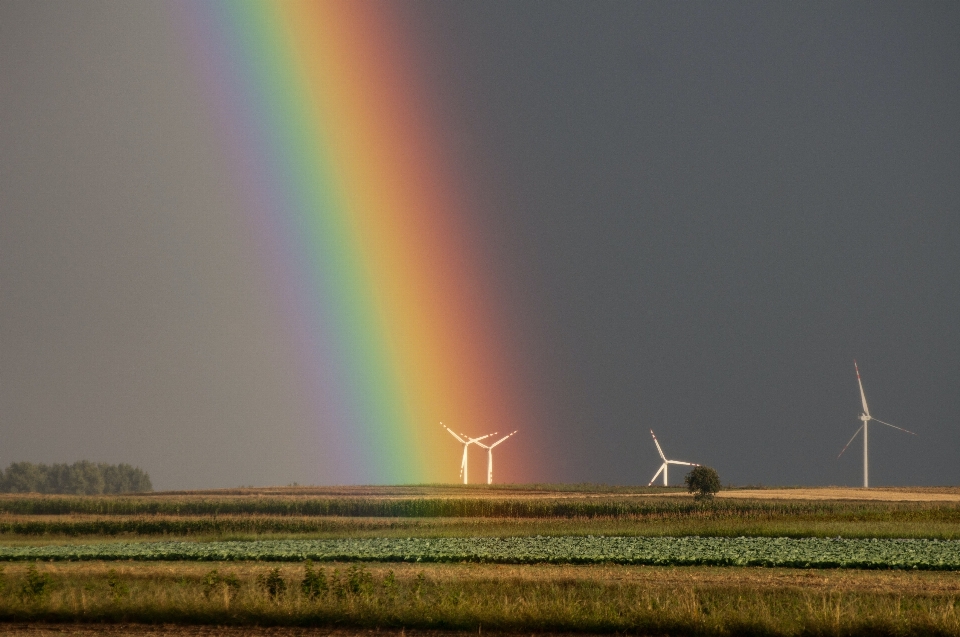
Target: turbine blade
(848,444)
(659,450)
(657,474)
(501,440)
(473,440)
(452,434)
(894,426)
(689,464)
(863,397)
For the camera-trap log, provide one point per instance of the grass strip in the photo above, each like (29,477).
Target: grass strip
(46,529)
(613,506)
(486,598)
(683,551)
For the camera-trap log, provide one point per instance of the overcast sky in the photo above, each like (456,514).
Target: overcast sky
(701,214)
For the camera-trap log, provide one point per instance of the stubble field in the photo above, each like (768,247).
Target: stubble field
(553,592)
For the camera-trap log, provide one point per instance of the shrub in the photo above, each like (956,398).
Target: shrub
(272,584)
(419,583)
(314,583)
(704,482)
(337,585)
(390,583)
(36,585)
(359,580)
(214,582)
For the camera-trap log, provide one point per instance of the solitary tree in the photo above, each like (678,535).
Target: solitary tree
(703,482)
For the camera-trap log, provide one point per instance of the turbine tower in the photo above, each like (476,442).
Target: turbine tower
(866,418)
(489,449)
(666,462)
(466,441)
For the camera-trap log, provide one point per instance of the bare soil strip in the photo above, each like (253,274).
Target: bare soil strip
(842,493)
(173,630)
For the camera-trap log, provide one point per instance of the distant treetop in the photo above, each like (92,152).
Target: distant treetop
(80,478)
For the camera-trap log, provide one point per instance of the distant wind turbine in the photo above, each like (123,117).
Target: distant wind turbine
(489,449)
(666,462)
(466,441)
(866,418)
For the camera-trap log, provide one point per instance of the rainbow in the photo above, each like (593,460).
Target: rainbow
(347,189)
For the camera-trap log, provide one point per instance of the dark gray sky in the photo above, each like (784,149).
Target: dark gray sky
(701,212)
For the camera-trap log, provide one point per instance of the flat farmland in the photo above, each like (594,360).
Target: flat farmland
(445,511)
(249,547)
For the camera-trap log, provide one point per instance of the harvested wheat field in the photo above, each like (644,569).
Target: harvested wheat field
(882,494)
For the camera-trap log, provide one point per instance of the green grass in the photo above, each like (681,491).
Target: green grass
(629,600)
(227,530)
(613,506)
(666,517)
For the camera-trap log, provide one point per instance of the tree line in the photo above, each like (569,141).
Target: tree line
(80,478)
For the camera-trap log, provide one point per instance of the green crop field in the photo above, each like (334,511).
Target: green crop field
(520,558)
(665,551)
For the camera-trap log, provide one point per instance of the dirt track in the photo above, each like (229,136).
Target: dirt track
(888,494)
(171,630)
(906,494)
(545,492)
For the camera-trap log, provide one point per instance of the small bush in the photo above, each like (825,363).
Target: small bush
(36,585)
(390,584)
(419,583)
(337,585)
(272,584)
(314,583)
(703,482)
(213,582)
(359,580)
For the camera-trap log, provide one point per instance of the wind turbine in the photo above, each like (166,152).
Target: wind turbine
(489,449)
(866,418)
(666,462)
(466,445)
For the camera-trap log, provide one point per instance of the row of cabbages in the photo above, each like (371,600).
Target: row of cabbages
(742,551)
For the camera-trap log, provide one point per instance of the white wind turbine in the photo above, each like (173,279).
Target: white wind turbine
(489,449)
(866,418)
(666,462)
(466,441)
